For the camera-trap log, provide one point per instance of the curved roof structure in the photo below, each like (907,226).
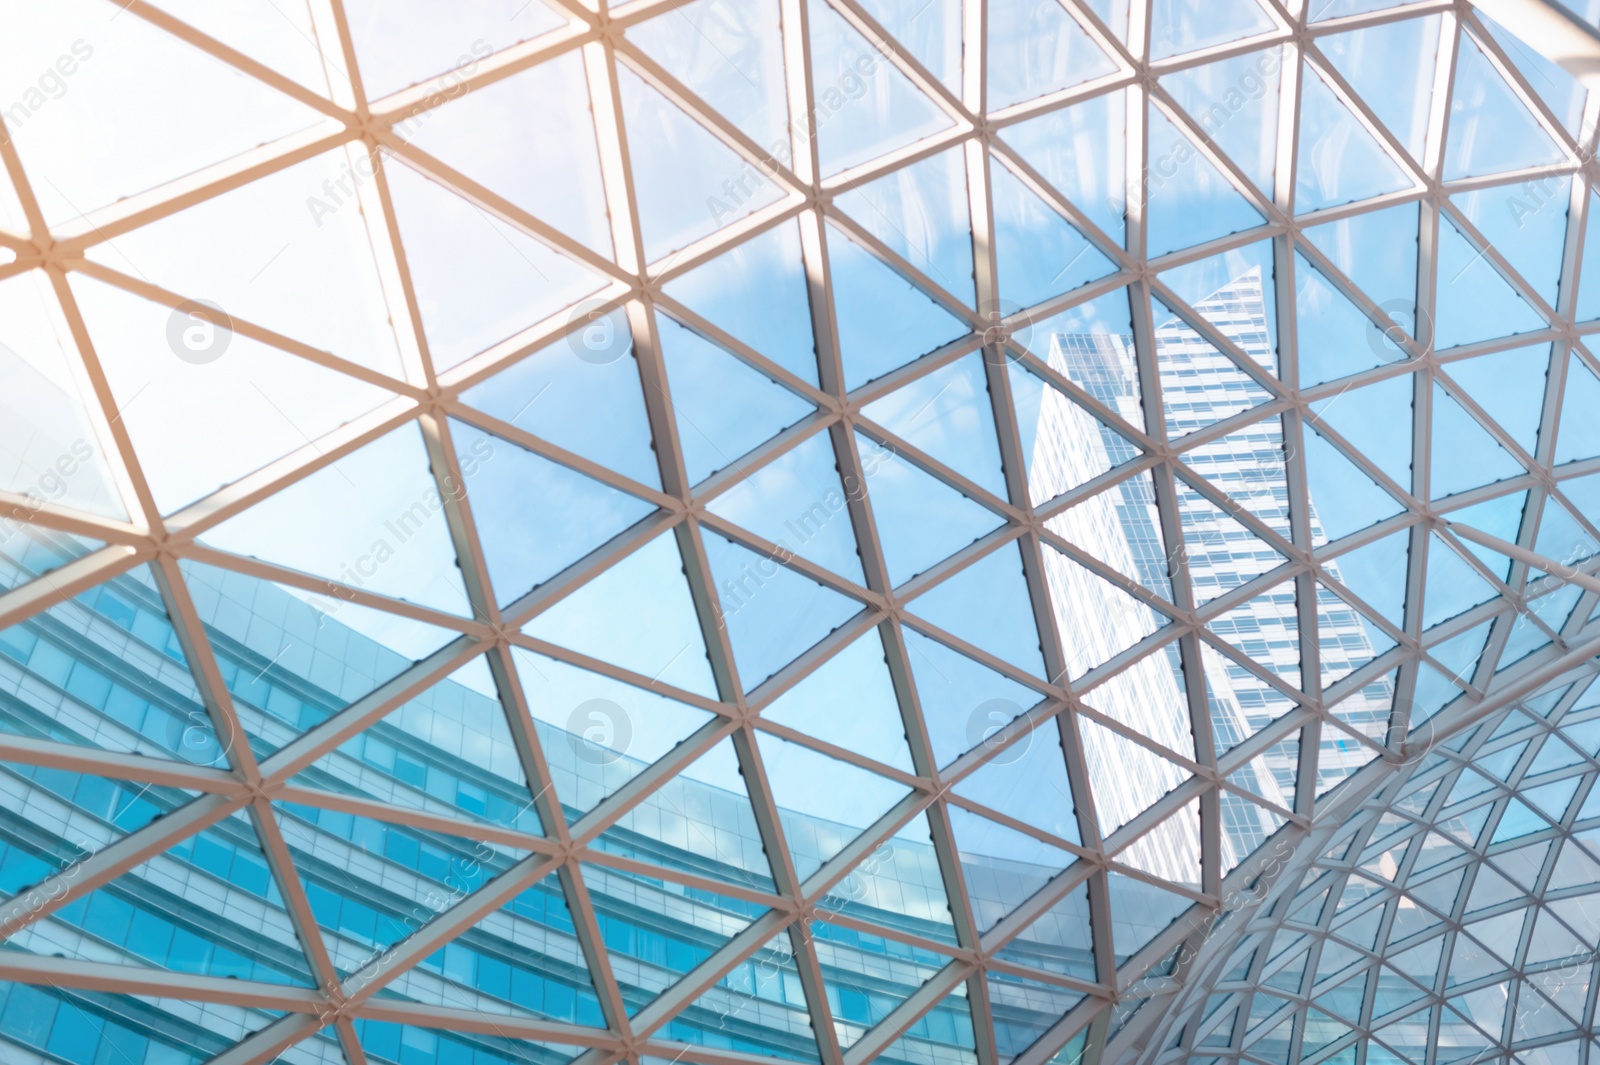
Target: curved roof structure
(940,531)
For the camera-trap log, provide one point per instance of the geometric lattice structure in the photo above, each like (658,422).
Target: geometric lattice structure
(1451,919)
(824,529)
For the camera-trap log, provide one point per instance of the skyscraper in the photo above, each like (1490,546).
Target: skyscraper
(1199,386)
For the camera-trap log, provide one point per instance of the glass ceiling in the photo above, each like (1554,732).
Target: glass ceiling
(536,531)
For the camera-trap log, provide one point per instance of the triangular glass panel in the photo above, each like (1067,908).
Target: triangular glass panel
(639,615)
(1080,150)
(1140,911)
(1236,101)
(1578,437)
(1064,445)
(373,883)
(1027,781)
(1375,419)
(1037,49)
(731,57)
(772,613)
(1272,776)
(395,50)
(143,91)
(920,520)
(670,152)
(1038,253)
(850,702)
(1508,386)
(1377,250)
(521,959)
(205,417)
(581,393)
(1346,639)
(1464,454)
(965,704)
(898,886)
(1335,338)
(1391,66)
(1170,850)
(945,1031)
(548,105)
(534,517)
(947,414)
(723,407)
(1490,129)
(1459,654)
(931,31)
(1002,867)
(1091,345)
(597,733)
(49,449)
(699,821)
(757,292)
(1178,26)
(884,321)
(281,40)
(1452,585)
(855,125)
(1030,1006)
(1562,92)
(384,1043)
(650,955)
(219,875)
(1339,159)
(140,698)
(989,605)
(1233,290)
(1195,203)
(1251,466)
(510,281)
(1095,619)
(1474,301)
(1059,941)
(820,821)
(764,990)
(797,502)
(1267,630)
(1530,230)
(1200,386)
(292,658)
(1377,573)
(270,256)
(921,212)
(446,751)
(1241,704)
(1343,497)
(1368,713)
(1109,524)
(1561,537)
